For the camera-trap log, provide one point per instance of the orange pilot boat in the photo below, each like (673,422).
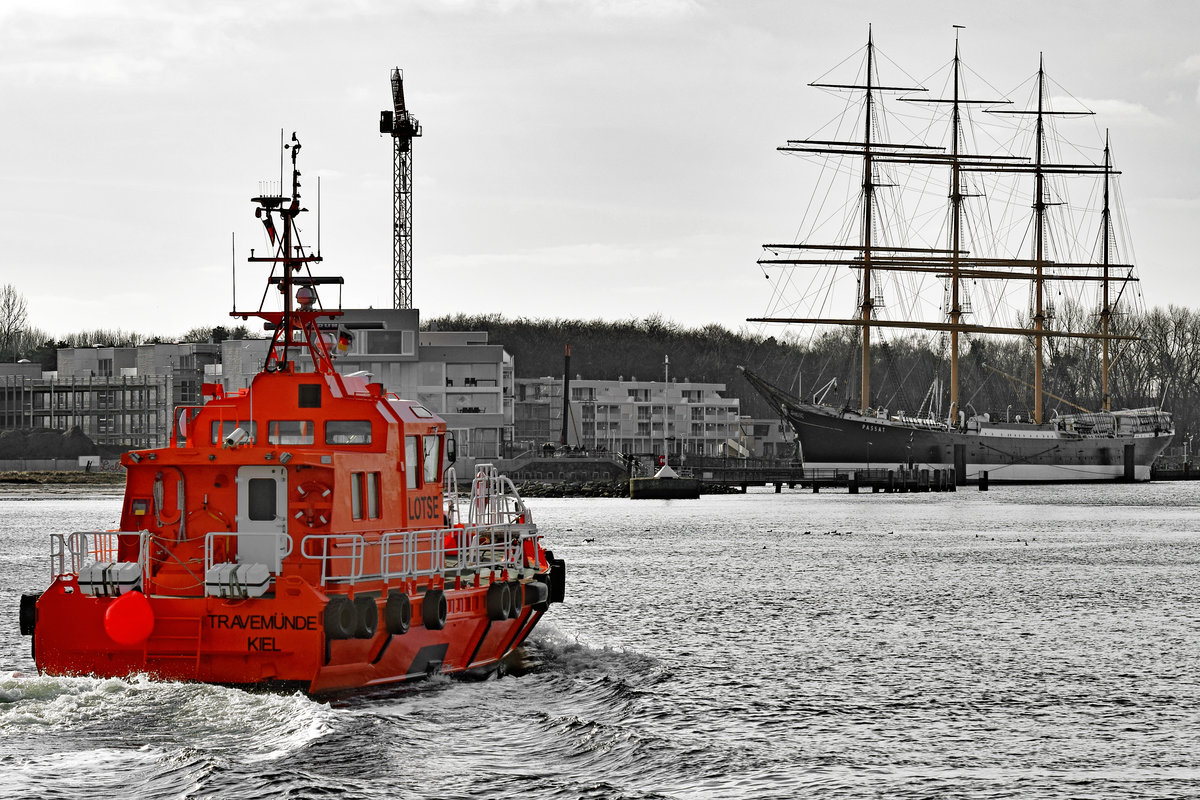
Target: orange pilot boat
(307,531)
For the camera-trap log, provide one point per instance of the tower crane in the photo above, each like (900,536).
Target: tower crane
(403,128)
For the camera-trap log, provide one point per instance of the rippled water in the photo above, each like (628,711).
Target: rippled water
(1025,642)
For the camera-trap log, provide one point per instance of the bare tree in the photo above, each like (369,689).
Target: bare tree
(14,315)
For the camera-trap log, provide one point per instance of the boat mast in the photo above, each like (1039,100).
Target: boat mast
(868,187)
(295,327)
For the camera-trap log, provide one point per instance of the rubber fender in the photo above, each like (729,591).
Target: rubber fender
(537,595)
(517,596)
(397,612)
(434,609)
(366,617)
(28,616)
(558,580)
(340,618)
(498,601)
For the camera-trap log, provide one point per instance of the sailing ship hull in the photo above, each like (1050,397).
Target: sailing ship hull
(1019,453)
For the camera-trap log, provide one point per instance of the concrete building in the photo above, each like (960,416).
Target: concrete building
(629,416)
(121,397)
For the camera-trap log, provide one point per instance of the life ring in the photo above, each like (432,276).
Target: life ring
(313,504)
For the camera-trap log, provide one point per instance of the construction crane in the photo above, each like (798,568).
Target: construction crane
(403,128)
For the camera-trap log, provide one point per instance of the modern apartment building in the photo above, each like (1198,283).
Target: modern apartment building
(629,416)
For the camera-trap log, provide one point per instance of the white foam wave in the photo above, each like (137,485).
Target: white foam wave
(224,721)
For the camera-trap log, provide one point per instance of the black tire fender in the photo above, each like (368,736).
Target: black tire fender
(498,601)
(340,618)
(397,613)
(366,617)
(28,614)
(517,597)
(434,609)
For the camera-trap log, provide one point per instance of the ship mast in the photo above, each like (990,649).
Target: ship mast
(1039,216)
(1105,308)
(868,188)
(295,328)
(955,263)
(955,235)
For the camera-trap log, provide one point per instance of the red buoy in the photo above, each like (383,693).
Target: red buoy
(129,619)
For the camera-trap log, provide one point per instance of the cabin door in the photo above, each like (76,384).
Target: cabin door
(262,516)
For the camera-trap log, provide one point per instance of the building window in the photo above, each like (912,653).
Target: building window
(389,343)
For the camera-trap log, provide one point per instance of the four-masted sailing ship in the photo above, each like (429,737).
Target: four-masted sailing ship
(961,258)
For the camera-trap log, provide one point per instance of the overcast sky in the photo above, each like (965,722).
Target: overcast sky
(581,158)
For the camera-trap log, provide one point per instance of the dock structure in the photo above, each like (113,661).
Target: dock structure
(743,473)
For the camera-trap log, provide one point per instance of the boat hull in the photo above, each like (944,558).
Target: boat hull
(275,640)
(845,440)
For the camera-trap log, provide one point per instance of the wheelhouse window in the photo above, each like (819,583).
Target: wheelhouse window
(366,495)
(222,429)
(290,431)
(431,458)
(348,431)
(356,495)
(412,464)
(373,495)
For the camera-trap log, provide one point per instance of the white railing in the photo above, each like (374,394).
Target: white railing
(493,501)
(231,537)
(86,547)
(333,552)
(461,548)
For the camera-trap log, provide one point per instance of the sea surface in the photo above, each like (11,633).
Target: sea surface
(1025,642)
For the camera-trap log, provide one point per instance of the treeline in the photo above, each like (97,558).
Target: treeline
(908,373)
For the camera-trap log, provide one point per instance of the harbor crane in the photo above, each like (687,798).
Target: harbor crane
(403,128)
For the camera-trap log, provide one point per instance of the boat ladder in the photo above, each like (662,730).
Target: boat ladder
(175,639)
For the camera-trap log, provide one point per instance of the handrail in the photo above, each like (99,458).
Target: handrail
(464,548)
(86,547)
(210,538)
(355,557)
